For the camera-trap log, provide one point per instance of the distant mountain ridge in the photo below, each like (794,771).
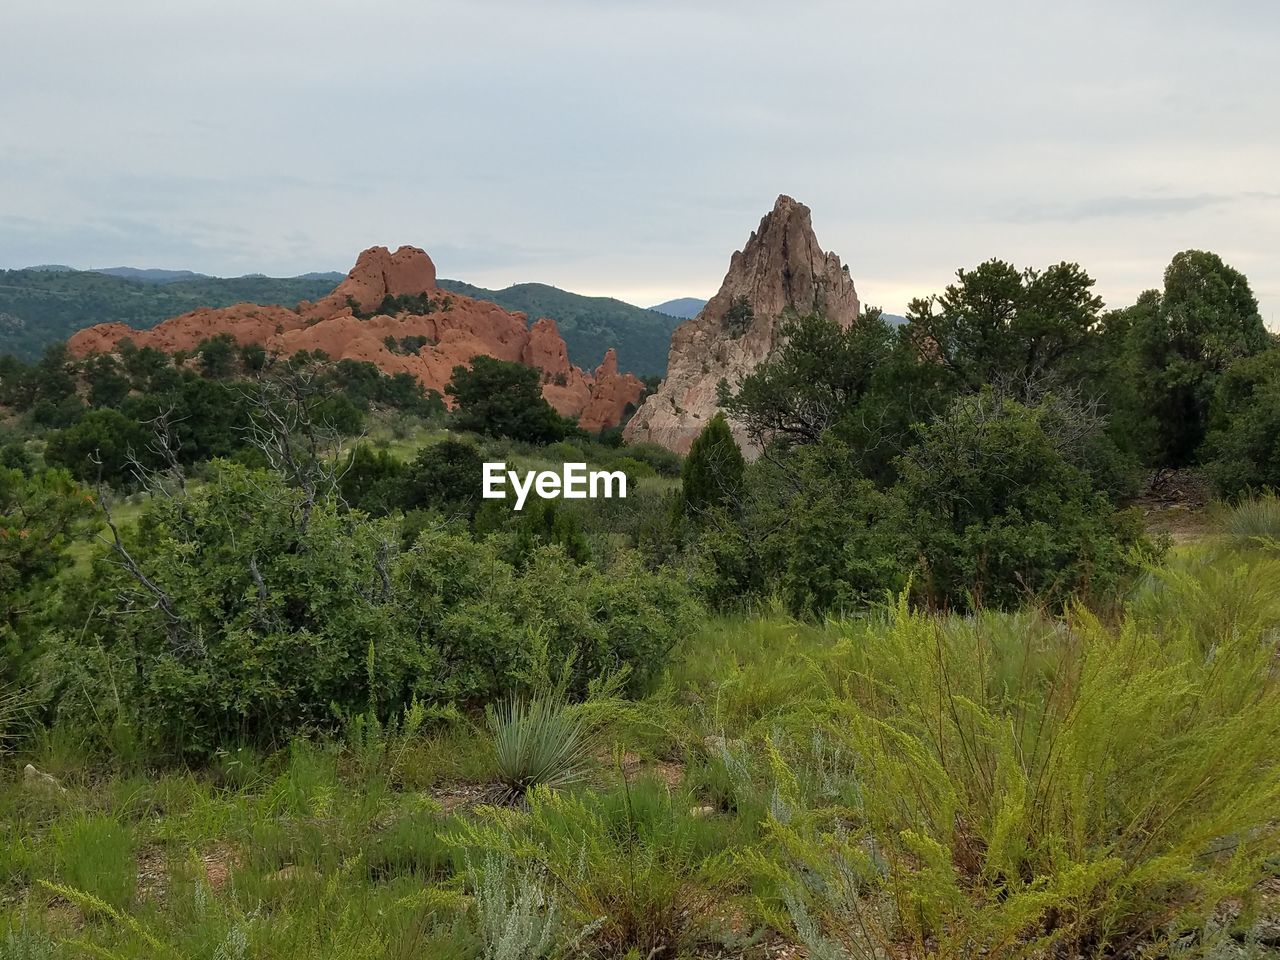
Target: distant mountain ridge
(589,325)
(686,308)
(44,304)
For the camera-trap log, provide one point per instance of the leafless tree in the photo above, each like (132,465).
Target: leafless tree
(286,425)
(182,642)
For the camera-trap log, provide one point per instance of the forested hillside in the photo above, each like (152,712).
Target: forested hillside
(589,325)
(40,307)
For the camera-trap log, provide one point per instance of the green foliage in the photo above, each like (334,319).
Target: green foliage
(820,377)
(973,812)
(95,855)
(261,606)
(1255,521)
(517,918)
(1000,515)
(634,868)
(52,306)
(540,523)
(40,516)
(217,355)
(99,447)
(271,605)
(1001,324)
(827,536)
(22,942)
(372,480)
(739,316)
(504,399)
(712,474)
(1183,339)
(107,385)
(444,476)
(1242,448)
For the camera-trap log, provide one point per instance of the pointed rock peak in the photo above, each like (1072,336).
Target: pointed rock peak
(782,269)
(609,368)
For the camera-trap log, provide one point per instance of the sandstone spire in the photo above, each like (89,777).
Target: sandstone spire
(781,271)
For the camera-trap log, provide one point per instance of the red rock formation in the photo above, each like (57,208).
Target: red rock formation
(457,329)
(612,392)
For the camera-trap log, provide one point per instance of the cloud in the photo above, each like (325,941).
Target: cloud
(632,146)
(1114,207)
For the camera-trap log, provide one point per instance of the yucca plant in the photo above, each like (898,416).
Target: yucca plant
(541,741)
(1255,521)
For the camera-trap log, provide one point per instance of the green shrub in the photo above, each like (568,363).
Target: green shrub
(516,917)
(712,474)
(537,742)
(372,480)
(634,869)
(99,446)
(666,463)
(999,515)
(504,399)
(1024,787)
(1242,449)
(23,942)
(1255,521)
(259,612)
(444,476)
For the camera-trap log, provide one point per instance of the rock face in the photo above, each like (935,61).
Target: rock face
(780,272)
(456,328)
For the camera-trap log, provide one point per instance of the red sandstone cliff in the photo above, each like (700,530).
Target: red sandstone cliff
(457,329)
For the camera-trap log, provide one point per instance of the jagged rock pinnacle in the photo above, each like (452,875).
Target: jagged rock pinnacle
(781,271)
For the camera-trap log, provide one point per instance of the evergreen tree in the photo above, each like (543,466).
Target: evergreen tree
(713,472)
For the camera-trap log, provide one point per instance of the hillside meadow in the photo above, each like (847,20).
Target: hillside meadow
(895,785)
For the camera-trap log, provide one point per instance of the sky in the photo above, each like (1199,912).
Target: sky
(628,147)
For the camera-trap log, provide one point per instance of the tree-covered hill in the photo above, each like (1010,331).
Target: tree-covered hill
(40,307)
(683,307)
(589,325)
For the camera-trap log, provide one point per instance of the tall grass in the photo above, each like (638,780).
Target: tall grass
(95,856)
(1025,785)
(1255,521)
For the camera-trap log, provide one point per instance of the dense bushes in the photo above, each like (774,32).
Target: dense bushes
(1023,786)
(264,614)
(999,515)
(40,515)
(504,399)
(1243,445)
(996,503)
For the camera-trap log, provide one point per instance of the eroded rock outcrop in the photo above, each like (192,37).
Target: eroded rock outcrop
(345,325)
(781,271)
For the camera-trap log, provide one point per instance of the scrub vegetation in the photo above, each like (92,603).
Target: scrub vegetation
(910,677)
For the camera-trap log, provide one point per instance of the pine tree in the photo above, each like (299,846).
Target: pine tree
(713,472)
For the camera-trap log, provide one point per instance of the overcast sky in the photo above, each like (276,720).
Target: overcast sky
(627,147)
